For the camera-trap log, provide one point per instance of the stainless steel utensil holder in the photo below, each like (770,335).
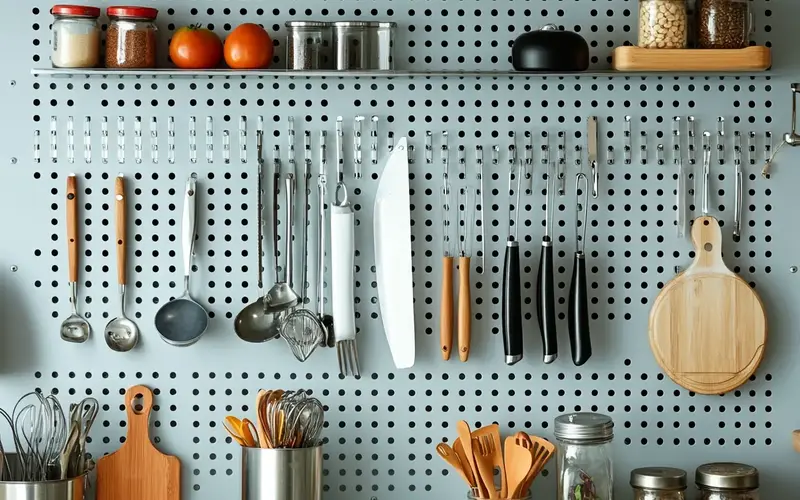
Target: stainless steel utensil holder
(282,474)
(67,489)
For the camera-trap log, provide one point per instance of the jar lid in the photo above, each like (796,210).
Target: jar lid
(363,24)
(658,478)
(584,427)
(727,476)
(308,24)
(75,10)
(131,11)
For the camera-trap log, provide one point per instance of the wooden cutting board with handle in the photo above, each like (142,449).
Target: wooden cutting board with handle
(138,470)
(708,328)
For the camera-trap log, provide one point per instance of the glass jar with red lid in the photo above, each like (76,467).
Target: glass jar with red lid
(131,37)
(75,36)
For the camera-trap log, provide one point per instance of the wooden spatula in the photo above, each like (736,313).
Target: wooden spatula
(137,470)
(542,451)
(458,448)
(519,461)
(484,457)
(492,433)
(465,436)
(446,452)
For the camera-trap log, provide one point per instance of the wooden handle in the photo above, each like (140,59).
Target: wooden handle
(119,209)
(138,419)
(464,309)
(446,308)
(72,227)
(707,240)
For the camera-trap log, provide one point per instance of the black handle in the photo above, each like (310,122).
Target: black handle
(512,305)
(546,303)
(579,338)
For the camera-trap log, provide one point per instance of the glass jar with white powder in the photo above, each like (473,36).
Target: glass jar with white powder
(76,36)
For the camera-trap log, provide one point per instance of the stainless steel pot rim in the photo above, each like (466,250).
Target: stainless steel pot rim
(308,24)
(364,24)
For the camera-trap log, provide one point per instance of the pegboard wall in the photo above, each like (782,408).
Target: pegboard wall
(382,429)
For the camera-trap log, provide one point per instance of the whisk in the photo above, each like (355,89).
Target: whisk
(290,419)
(39,430)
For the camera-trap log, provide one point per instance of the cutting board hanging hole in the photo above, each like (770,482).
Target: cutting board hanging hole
(708,247)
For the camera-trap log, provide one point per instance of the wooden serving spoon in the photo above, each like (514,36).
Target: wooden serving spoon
(519,462)
(451,457)
(462,457)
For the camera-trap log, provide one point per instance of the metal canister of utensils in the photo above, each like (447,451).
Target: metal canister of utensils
(363,45)
(66,489)
(282,474)
(308,45)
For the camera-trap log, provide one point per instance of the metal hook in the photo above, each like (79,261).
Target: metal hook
(580,225)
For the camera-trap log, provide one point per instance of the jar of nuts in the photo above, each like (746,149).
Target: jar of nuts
(131,37)
(723,24)
(663,24)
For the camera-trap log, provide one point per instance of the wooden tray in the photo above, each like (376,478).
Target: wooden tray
(639,59)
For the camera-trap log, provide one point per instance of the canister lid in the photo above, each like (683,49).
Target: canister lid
(308,24)
(658,478)
(131,11)
(363,24)
(727,476)
(584,427)
(75,10)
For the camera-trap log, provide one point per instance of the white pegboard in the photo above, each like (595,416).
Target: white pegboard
(383,429)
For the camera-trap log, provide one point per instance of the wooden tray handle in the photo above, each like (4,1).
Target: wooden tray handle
(138,419)
(707,240)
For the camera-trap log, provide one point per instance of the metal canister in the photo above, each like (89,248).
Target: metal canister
(282,474)
(658,483)
(308,45)
(727,481)
(57,489)
(364,45)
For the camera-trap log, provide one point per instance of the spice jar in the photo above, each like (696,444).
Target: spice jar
(663,24)
(131,37)
(585,468)
(76,36)
(723,24)
(727,481)
(308,45)
(658,483)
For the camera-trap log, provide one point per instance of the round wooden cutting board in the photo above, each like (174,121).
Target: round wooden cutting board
(708,328)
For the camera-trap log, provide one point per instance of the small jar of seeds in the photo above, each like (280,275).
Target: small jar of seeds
(131,37)
(663,24)
(723,24)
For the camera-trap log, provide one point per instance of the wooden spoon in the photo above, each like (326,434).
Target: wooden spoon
(462,457)
(465,436)
(261,418)
(485,461)
(796,440)
(451,457)
(519,462)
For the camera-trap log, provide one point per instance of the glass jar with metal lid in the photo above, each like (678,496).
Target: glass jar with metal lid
(308,45)
(363,45)
(658,483)
(585,468)
(131,37)
(727,481)
(76,36)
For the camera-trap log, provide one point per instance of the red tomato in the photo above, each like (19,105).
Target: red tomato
(193,47)
(248,47)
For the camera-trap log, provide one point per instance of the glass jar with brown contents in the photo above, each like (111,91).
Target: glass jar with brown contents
(131,37)
(723,24)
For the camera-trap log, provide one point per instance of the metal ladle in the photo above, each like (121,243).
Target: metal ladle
(75,328)
(182,321)
(281,297)
(254,323)
(121,333)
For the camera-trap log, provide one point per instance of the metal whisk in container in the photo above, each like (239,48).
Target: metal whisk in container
(308,45)
(364,45)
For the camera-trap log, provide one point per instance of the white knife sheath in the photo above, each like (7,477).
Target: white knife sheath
(343,272)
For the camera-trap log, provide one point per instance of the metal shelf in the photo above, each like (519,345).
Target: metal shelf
(283,73)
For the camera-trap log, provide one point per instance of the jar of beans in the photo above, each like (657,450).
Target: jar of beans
(663,24)
(723,24)
(131,37)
